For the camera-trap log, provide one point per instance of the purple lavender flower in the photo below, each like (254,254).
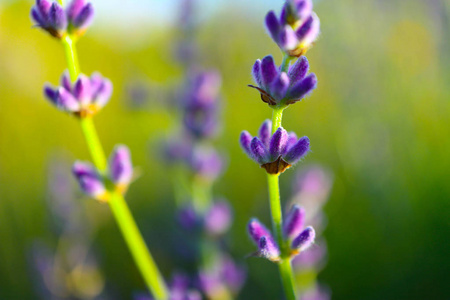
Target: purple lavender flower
(84,98)
(296,29)
(278,88)
(294,222)
(275,153)
(218,218)
(223,277)
(187,217)
(179,290)
(120,173)
(264,240)
(206,163)
(51,17)
(304,240)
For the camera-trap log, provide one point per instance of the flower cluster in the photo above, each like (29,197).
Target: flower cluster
(279,88)
(84,98)
(274,153)
(57,21)
(300,238)
(118,177)
(297,27)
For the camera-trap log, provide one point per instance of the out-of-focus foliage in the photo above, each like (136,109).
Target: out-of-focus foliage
(379,119)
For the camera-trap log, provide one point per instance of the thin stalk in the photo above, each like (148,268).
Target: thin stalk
(284,265)
(119,207)
(285,63)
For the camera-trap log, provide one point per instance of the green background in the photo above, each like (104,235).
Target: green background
(379,120)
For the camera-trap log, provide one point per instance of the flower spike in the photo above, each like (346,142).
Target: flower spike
(276,153)
(278,88)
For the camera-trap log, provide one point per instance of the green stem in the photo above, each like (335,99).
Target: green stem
(284,265)
(285,63)
(119,207)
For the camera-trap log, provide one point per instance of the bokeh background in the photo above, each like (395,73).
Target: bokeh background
(379,120)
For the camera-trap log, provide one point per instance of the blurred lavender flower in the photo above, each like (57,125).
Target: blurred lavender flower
(206,163)
(84,98)
(268,248)
(179,290)
(224,278)
(297,27)
(51,17)
(281,88)
(218,218)
(274,153)
(317,293)
(315,257)
(188,218)
(120,174)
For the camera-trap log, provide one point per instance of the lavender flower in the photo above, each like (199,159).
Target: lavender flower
(51,17)
(206,163)
(179,290)
(296,29)
(120,174)
(218,218)
(268,248)
(279,88)
(275,153)
(84,98)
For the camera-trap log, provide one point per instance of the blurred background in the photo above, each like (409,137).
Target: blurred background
(379,121)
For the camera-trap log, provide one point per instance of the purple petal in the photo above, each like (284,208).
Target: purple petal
(74,9)
(259,152)
(309,31)
(268,249)
(272,25)
(280,86)
(82,90)
(218,218)
(89,180)
(294,222)
(120,166)
(57,17)
(305,239)
(51,94)
(66,101)
(265,132)
(269,71)
(245,141)
(104,93)
(38,18)
(292,140)
(297,151)
(85,17)
(277,143)
(96,82)
(257,230)
(299,70)
(65,81)
(302,88)
(43,8)
(256,72)
(288,39)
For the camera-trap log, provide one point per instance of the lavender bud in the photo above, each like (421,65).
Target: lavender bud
(58,19)
(277,143)
(245,141)
(90,181)
(308,32)
(257,230)
(120,167)
(268,249)
(272,25)
(264,132)
(302,88)
(304,240)
(218,218)
(206,162)
(65,101)
(280,86)
(296,152)
(259,152)
(269,71)
(294,222)
(84,18)
(256,72)
(287,39)
(74,9)
(51,17)
(82,90)
(298,70)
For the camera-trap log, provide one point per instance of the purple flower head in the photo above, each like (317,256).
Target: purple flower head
(218,218)
(296,29)
(177,148)
(120,172)
(51,16)
(91,182)
(223,277)
(262,237)
(278,88)
(201,122)
(84,98)
(206,163)
(276,153)
(304,240)
(187,217)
